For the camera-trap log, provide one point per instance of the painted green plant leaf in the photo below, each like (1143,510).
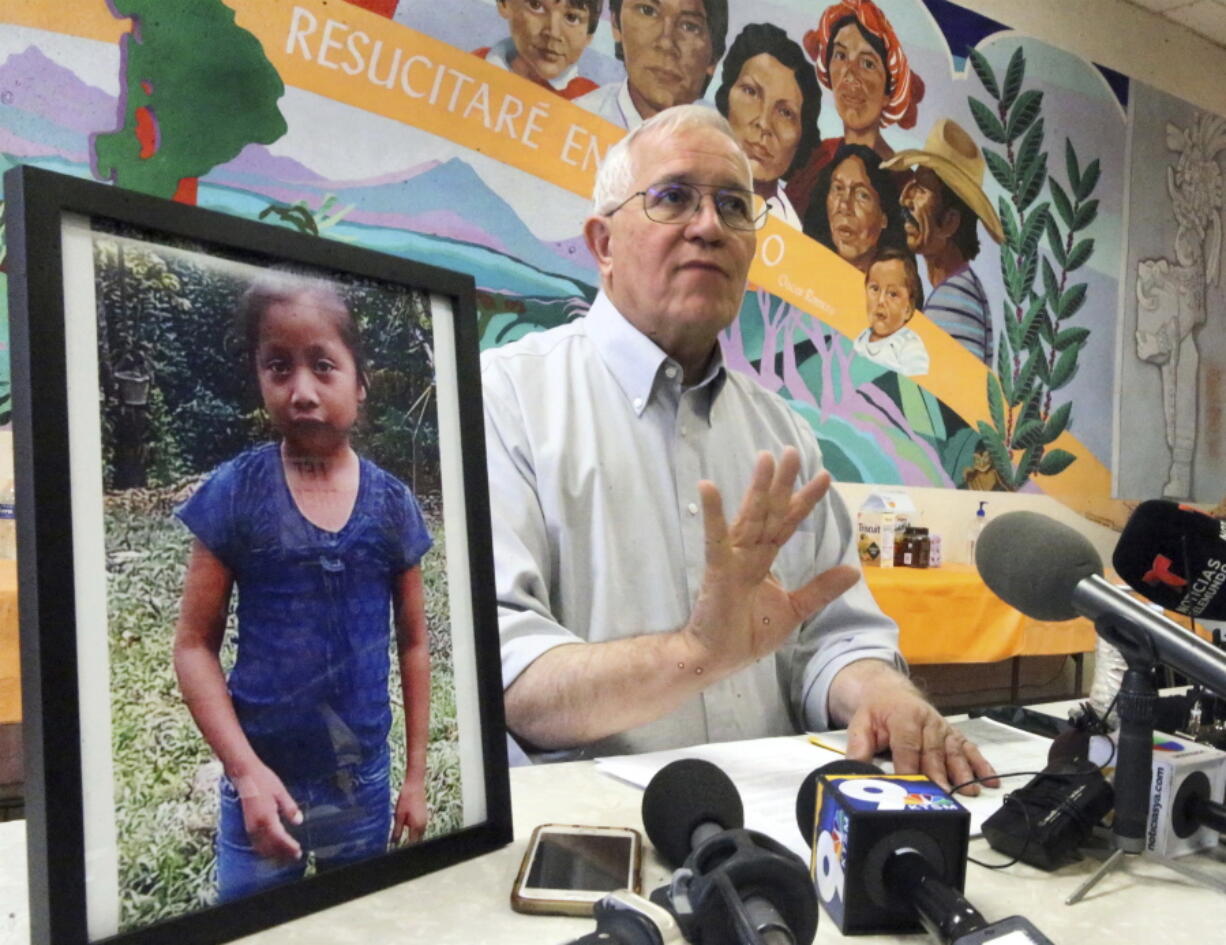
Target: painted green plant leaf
(1056,462)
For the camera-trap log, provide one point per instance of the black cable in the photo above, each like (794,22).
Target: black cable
(1025,844)
(1007,798)
(1062,805)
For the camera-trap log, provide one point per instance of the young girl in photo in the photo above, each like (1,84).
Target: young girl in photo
(324,548)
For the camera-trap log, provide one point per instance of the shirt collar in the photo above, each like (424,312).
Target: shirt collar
(630,114)
(503,53)
(636,362)
(891,342)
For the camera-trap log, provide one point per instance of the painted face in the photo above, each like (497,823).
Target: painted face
(680,284)
(549,36)
(888,298)
(858,79)
(854,211)
(308,378)
(923,212)
(764,111)
(667,47)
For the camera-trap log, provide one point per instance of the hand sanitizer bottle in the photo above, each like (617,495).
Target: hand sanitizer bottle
(981,519)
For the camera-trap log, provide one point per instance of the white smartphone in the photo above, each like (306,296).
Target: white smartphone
(568,868)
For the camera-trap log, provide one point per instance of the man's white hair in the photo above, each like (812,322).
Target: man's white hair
(617,171)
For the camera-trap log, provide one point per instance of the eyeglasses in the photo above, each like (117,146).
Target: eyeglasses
(679,203)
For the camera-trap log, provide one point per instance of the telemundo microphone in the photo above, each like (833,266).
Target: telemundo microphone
(889,855)
(731,886)
(1175,555)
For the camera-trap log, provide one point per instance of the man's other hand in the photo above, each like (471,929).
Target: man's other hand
(893,715)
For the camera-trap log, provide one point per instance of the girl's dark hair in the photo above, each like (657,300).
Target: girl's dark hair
(279,286)
(758,38)
(871,38)
(817,223)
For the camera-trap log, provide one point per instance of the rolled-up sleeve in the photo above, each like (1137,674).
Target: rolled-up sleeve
(526,625)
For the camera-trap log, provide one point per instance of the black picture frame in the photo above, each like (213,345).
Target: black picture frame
(43,208)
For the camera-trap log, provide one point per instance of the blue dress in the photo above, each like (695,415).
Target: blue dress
(310,680)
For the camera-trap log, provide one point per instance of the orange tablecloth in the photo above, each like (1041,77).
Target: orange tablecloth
(948,615)
(10,660)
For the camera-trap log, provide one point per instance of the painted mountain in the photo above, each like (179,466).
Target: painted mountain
(441,213)
(448,200)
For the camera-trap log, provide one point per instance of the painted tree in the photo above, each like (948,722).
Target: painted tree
(1039,350)
(864,431)
(197,89)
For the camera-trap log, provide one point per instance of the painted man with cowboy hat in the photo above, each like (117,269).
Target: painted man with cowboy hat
(943,205)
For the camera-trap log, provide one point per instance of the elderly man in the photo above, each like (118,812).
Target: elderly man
(942,206)
(670,48)
(633,615)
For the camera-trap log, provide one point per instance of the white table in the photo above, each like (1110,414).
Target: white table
(468,904)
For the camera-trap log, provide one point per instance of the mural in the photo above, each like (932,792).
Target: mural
(468,134)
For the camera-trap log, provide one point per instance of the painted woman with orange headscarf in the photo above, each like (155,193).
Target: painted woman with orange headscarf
(858,56)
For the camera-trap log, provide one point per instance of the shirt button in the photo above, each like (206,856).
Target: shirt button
(638,403)
(692,508)
(670,372)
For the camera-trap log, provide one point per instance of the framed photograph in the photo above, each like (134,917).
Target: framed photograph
(259,642)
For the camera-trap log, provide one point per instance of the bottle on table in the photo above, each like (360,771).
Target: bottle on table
(923,548)
(981,519)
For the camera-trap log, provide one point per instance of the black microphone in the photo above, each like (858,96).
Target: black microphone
(1049,571)
(1197,809)
(626,918)
(890,856)
(689,801)
(1175,556)
(732,886)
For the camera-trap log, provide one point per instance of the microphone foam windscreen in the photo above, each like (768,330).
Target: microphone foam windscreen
(1176,557)
(682,796)
(1033,563)
(806,797)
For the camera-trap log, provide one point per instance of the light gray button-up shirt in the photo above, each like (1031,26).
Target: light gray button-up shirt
(595,450)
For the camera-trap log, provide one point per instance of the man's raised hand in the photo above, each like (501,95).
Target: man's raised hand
(742,612)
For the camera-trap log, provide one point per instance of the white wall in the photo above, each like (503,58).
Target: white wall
(1129,39)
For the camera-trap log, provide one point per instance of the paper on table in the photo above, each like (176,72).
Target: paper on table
(768,771)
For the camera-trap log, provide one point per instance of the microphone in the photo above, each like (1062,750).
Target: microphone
(1186,789)
(890,856)
(689,801)
(626,918)
(1049,571)
(1175,556)
(731,886)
